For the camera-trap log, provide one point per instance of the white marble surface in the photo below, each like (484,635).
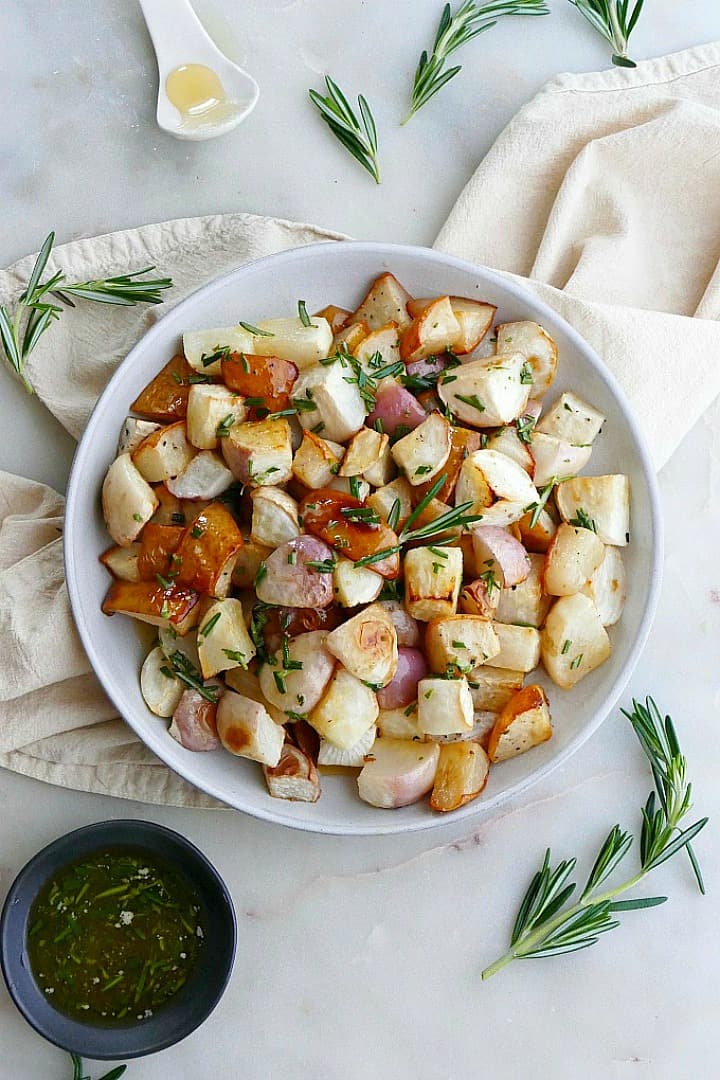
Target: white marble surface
(361,958)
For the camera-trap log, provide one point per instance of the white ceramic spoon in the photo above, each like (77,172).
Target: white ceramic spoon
(180,39)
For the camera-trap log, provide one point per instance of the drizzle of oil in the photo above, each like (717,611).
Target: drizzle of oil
(198,94)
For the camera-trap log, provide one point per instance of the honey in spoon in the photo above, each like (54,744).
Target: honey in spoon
(198,94)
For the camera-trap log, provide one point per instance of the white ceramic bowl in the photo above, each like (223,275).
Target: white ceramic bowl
(339,273)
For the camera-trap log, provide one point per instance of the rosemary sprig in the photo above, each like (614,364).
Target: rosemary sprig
(612,19)
(358,136)
(455,30)
(80,1074)
(544,925)
(458,516)
(35,312)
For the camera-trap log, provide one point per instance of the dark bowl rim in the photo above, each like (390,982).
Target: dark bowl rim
(87,1039)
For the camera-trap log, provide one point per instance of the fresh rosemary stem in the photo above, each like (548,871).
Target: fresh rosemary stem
(543,925)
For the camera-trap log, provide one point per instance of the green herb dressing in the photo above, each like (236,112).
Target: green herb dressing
(114,936)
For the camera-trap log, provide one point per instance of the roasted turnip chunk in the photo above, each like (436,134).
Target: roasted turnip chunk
(133,432)
(487,476)
(386,301)
(519,647)
(422,453)
(434,330)
(556,458)
(399,724)
(317,461)
(606,588)
(164,453)
(507,441)
(294,777)
(491,688)
(346,711)
(604,500)
(259,452)
(486,394)
(536,347)
(339,408)
(355,585)
(524,722)
(247,730)
(379,349)
(335,316)
(291,339)
(399,773)
(571,559)
(274,517)
(205,477)
(211,407)
(444,706)
(223,638)
(572,420)
(300,673)
(462,773)
(122,562)
(367,645)
(432,581)
(497,550)
(480,597)
(537,535)
(574,640)
(159,687)
(525,603)
(364,450)
(128,501)
(353,757)
(459,643)
(384,500)
(288,579)
(200,345)
(194,723)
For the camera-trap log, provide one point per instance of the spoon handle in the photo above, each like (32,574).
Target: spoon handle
(175,30)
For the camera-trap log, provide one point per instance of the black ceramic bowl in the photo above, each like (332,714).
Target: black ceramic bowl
(182,1013)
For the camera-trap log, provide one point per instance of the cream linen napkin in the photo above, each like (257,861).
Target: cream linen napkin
(604,191)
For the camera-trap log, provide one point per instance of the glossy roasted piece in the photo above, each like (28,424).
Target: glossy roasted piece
(206,554)
(158,543)
(260,377)
(322,515)
(150,602)
(165,398)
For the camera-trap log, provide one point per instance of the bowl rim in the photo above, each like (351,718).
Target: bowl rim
(516,291)
(93,1040)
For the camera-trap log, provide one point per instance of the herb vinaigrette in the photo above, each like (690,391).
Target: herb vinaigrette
(114,936)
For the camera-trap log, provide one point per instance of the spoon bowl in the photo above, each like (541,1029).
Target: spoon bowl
(185,53)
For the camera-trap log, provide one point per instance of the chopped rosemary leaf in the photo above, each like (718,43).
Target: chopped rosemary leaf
(238,657)
(472,400)
(526,375)
(223,429)
(209,625)
(566,645)
(255,330)
(220,352)
(261,573)
(279,677)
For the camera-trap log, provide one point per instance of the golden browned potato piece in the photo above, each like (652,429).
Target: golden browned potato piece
(149,602)
(207,551)
(165,398)
(524,722)
(462,773)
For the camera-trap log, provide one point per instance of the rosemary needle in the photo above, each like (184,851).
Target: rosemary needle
(544,925)
(454,30)
(358,136)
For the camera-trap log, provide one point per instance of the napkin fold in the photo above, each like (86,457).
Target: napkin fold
(602,196)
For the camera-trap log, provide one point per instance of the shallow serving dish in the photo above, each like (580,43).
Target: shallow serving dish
(179,1016)
(339,273)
